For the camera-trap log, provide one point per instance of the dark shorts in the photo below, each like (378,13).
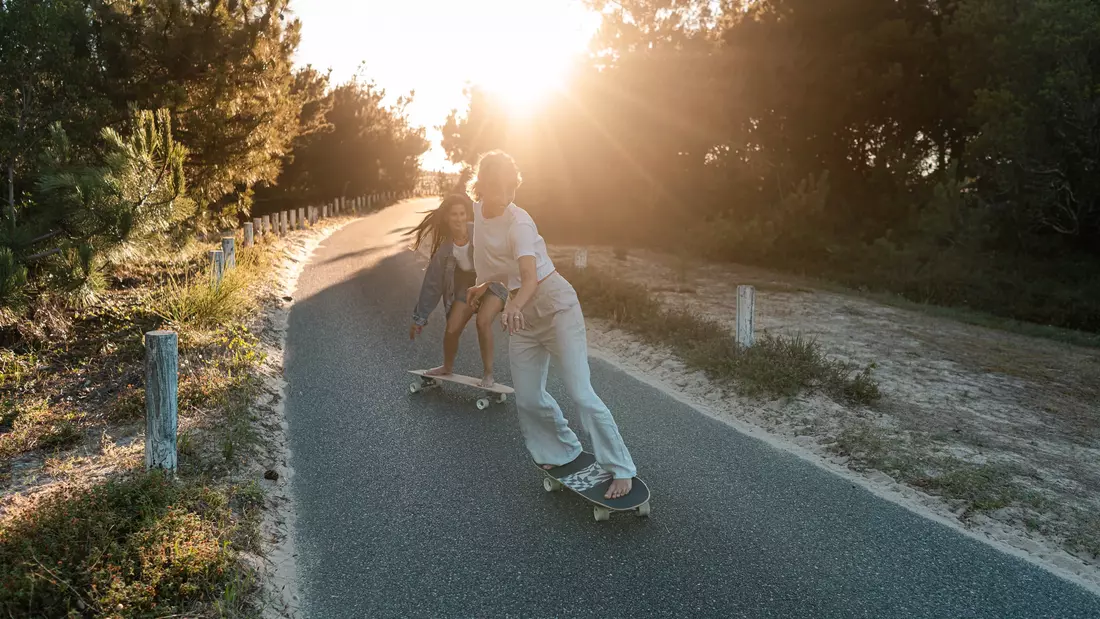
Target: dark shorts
(464,280)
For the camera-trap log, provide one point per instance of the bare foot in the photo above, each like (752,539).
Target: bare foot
(487,381)
(547,467)
(439,371)
(619,488)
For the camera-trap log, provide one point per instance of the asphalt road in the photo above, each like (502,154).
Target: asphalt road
(423,506)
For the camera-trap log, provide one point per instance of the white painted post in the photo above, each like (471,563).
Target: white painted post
(161,390)
(746,310)
(580,258)
(217,266)
(248,234)
(230,252)
(267,224)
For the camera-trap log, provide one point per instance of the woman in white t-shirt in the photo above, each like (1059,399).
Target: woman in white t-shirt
(544,319)
(449,274)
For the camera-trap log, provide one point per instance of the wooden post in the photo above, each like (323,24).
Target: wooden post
(248,234)
(217,266)
(580,258)
(161,390)
(324,211)
(257,226)
(267,224)
(283,218)
(230,252)
(301,218)
(746,310)
(293,219)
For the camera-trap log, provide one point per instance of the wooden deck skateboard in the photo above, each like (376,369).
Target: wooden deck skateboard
(498,390)
(586,478)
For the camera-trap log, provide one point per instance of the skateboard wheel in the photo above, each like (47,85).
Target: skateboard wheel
(644,510)
(501,398)
(552,485)
(601,513)
(482,404)
(415,387)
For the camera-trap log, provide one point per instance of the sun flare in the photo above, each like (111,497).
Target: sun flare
(521,50)
(524,49)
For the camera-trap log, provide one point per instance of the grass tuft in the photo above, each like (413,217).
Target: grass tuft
(196,302)
(774,366)
(36,426)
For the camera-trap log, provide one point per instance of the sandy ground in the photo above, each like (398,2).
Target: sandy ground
(958,400)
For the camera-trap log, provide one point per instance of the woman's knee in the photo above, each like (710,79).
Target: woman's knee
(455,327)
(485,320)
(534,401)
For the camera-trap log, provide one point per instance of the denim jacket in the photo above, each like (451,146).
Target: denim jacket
(439,281)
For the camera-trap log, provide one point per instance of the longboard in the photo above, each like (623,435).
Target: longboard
(584,476)
(427,382)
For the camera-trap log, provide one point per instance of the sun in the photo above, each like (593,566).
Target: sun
(523,83)
(524,49)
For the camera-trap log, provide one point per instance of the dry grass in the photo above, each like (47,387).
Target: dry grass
(83,532)
(775,366)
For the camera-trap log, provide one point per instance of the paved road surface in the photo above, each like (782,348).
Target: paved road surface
(423,506)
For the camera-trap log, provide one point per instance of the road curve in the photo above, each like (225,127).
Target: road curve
(423,506)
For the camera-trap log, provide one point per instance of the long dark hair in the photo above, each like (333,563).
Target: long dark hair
(433,228)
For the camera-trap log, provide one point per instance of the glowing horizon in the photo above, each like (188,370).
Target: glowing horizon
(518,48)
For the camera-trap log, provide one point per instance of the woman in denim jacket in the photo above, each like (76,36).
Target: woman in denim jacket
(450,273)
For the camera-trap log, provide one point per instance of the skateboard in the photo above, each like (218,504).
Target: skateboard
(427,382)
(585,477)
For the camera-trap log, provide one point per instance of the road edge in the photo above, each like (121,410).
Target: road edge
(877,489)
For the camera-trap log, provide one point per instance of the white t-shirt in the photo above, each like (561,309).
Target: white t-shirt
(462,255)
(501,241)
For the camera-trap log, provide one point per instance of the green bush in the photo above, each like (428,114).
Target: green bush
(145,546)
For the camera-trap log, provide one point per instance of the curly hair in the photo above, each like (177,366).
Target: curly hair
(494,166)
(434,225)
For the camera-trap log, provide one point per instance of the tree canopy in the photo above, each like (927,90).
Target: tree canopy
(940,149)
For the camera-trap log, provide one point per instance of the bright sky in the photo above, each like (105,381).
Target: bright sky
(435,47)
